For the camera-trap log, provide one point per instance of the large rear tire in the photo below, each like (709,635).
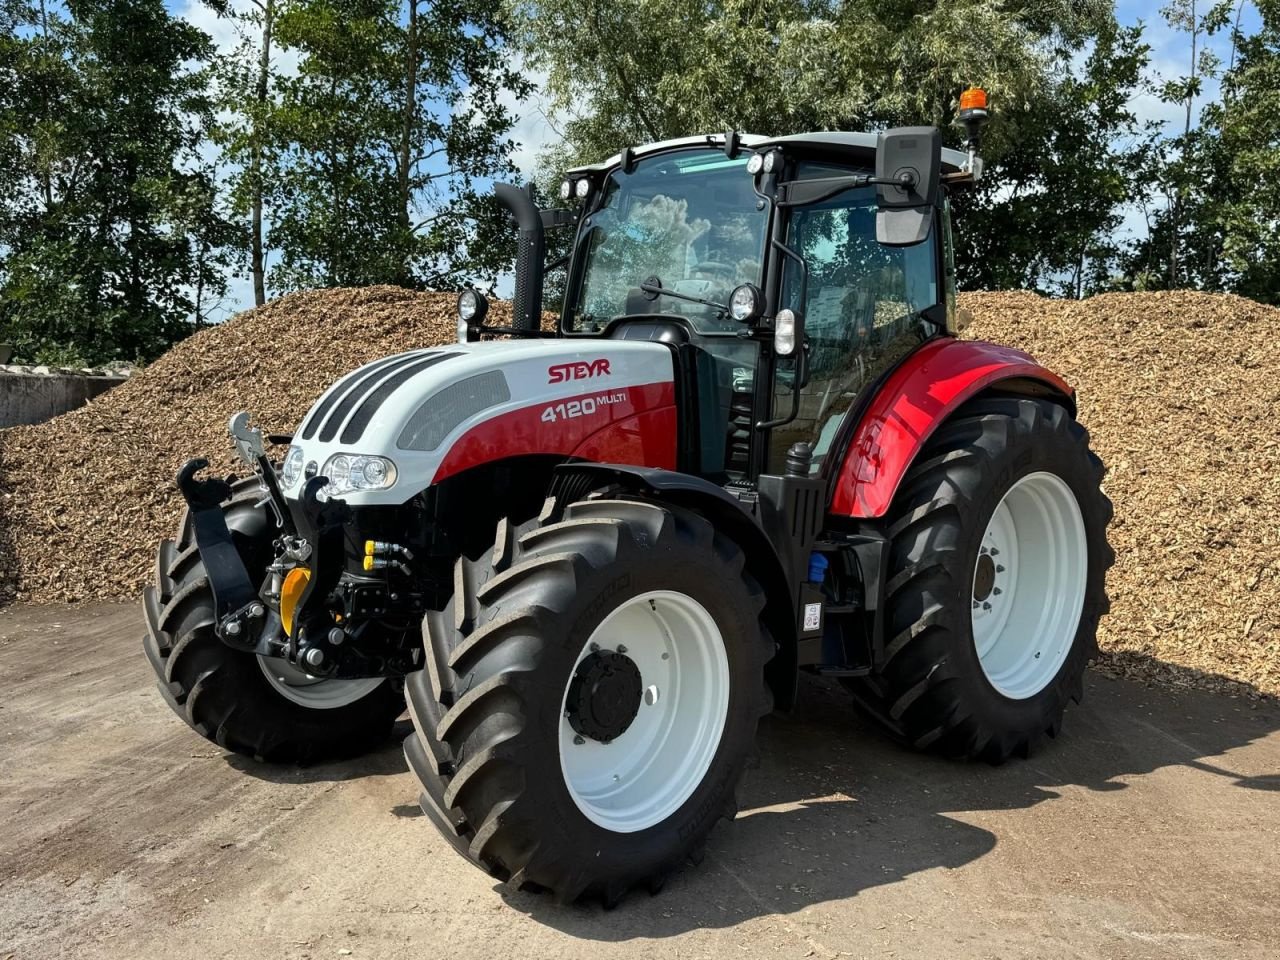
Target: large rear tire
(998,557)
(261,707)
(591,697)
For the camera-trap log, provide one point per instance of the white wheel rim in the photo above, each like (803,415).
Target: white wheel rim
(318,693)
(1029,585)
(649,771)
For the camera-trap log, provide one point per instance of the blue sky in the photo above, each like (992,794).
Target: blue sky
(1170,57)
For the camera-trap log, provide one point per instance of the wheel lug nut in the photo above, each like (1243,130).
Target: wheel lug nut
(986,606)
(995,552)
(578,740)
(999,569)
(996,591)
(621,648)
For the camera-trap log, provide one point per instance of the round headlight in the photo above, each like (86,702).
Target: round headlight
(566,189)
(291,472)
(755,163)
(770,161)
(339,471)
(468,305)
(745,303)
(374,473)
(583,188)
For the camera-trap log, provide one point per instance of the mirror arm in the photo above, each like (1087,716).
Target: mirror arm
(802,356)
(840,185)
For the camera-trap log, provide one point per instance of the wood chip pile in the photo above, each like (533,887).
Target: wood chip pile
(85,497)
(1179,390)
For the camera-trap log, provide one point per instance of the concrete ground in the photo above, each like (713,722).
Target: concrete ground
(1151,828)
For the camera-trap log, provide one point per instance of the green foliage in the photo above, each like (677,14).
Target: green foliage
(1064,151)
(1071,159)
(110,238)
(1220,229)
(372,150)
(634,72)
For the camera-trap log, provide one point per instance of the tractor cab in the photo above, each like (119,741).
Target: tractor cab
(787,275)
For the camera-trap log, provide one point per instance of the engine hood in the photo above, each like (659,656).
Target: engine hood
(437,411)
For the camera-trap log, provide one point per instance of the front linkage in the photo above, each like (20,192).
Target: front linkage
(290,616)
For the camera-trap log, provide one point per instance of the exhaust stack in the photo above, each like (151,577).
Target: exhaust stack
(530,254)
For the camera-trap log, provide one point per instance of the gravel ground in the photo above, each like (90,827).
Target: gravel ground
(1147,830)
(1179,391)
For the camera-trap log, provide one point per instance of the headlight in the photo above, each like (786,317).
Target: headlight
(745,303)
(291,472)
(354,473)
(582,188)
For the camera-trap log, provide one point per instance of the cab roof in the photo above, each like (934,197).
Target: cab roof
(848,145)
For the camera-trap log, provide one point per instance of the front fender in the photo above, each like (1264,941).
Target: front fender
(914,401)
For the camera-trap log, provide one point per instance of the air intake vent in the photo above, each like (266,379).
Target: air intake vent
(440,414)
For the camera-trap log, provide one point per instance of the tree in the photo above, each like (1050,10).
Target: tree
(1063,152)
(632,72)
(368,160)
(1239,159)
(112,239)
(1047,217)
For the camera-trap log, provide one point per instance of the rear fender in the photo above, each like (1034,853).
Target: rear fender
(730,516)
(915,399)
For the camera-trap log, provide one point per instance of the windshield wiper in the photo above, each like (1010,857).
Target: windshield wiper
(654,286)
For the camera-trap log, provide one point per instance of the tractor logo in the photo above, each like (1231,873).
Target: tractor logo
(580,370)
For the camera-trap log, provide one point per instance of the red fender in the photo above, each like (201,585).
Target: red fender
(916,398)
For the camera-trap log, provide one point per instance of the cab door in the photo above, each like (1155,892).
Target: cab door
(863,309)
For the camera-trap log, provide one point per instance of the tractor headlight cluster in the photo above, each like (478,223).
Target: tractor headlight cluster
(291,472)
(356,473)
(579,188)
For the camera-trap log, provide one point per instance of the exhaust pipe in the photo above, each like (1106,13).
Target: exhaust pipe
(531,249)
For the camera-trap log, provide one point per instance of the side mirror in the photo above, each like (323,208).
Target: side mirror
(912,156)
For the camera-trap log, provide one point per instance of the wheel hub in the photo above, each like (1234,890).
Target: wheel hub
(604,696)
(984,577)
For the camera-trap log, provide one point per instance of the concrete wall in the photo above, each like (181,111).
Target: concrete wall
(35,394)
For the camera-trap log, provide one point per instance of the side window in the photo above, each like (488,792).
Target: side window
(861,308)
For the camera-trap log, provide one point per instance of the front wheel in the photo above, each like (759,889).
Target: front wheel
(591,696)
(263,707)
(998,556)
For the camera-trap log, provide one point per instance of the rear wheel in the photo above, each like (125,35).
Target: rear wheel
(263,707)
(591,695)
(998,556)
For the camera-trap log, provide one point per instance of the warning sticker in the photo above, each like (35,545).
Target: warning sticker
(812,616)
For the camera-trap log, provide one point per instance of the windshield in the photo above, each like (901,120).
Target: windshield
(689,219)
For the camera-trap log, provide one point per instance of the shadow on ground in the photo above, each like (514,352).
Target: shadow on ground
(386,762)
(834,808)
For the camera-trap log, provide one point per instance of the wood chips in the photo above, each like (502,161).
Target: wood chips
(1179,391)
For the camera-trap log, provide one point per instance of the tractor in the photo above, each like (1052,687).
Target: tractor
(592,551)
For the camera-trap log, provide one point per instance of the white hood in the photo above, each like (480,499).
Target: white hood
(411,408)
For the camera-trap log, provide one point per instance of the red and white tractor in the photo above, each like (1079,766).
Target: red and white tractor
(594,556)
